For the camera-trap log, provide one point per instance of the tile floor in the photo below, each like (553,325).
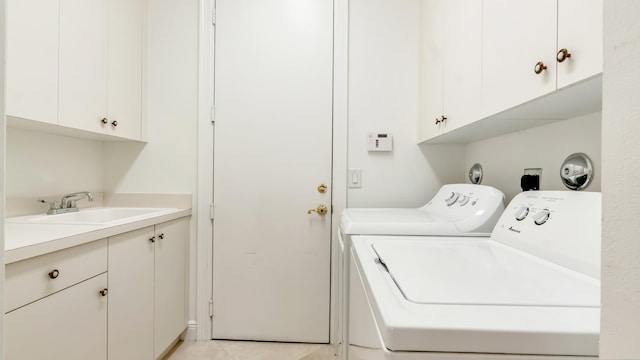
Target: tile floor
(251,350)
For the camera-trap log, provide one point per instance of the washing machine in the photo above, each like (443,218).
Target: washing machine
(455,210)
(531,291)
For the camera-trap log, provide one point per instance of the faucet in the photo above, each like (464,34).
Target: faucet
(68,203)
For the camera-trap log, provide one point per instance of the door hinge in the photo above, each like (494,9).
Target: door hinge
(210,307)
(211,211)
(213,17)
(213,114)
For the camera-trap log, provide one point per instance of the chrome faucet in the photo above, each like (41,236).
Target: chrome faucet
(68,203)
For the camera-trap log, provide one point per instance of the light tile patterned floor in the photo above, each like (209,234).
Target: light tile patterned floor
(250,350)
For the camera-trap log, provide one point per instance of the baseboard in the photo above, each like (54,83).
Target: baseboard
(190,334)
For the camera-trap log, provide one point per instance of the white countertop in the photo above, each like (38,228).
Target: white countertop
(25,240)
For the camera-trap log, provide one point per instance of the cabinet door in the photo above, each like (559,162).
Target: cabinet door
(170,282)
(462,87)
(131,258)
(126,22)
(432,69)
(70,325)
(515,36)
(580,31)
(83,64)
(32,60)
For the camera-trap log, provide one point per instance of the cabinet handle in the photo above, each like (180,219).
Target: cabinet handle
(104,292)
(441,119)
(437,120)
(54,273)
(104,121)
(114,123)
(562,55)
(152,239)
(161,236)
(540,67)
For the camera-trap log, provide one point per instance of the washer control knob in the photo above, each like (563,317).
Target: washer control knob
(522,213)
(451,199)
(541,217)
(463,200)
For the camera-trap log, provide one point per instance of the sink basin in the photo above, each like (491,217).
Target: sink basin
(93,216)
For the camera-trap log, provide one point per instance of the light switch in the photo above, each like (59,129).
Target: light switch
(355,178)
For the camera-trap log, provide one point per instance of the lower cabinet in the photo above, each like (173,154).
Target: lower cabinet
(70,324)
(147,290)
(121,298)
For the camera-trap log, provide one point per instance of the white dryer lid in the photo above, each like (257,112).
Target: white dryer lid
(482,272)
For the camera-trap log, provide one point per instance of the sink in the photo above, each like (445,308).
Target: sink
(93,216)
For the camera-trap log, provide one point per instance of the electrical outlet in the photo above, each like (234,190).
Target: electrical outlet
(531,179)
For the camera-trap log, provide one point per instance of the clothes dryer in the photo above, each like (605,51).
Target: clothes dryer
(455,210)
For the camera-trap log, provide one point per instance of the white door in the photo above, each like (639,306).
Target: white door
(273,84)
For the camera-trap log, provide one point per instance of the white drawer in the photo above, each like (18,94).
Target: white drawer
(35,278)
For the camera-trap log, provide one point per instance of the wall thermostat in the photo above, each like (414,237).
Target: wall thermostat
(379,142)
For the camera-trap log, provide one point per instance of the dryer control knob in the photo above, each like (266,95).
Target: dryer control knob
(522,213)
(463,200)
(541,216)
(451,199)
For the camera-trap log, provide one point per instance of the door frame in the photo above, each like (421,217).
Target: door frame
(204,197)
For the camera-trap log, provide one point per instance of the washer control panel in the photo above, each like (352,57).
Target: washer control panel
(560,226)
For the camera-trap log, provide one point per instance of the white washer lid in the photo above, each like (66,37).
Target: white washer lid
(483,273)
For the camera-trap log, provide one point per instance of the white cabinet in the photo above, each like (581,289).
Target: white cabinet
(451,65)
(580,31)
(520,40)
(32,60)
(77,64)
(147,289)
(83,63)
(170,304)
(70,324)
(131,295)
(57,305)
(125,90)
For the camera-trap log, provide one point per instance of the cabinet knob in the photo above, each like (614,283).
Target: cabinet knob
(441,119)
(540,67)
(152,239)
(104,292)
(54,273)
(104,121)
(161,236)
(562,55)
(114,123)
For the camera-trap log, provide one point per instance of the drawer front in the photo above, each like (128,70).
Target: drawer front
(35,278)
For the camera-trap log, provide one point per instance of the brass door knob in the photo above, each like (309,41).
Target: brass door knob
(540,67)
(321,210)
(322,188)
(562,55)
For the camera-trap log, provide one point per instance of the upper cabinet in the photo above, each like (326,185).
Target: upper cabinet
(531,48)
(535,62)
(78,65)
(580,37)
(32,60)
(451,65)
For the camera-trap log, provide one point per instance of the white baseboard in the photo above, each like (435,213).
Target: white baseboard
(191,333)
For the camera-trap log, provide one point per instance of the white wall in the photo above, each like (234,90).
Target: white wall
(504,158)
(621,198)
(2,169)
(40,164)
(384,90)
(168,162)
